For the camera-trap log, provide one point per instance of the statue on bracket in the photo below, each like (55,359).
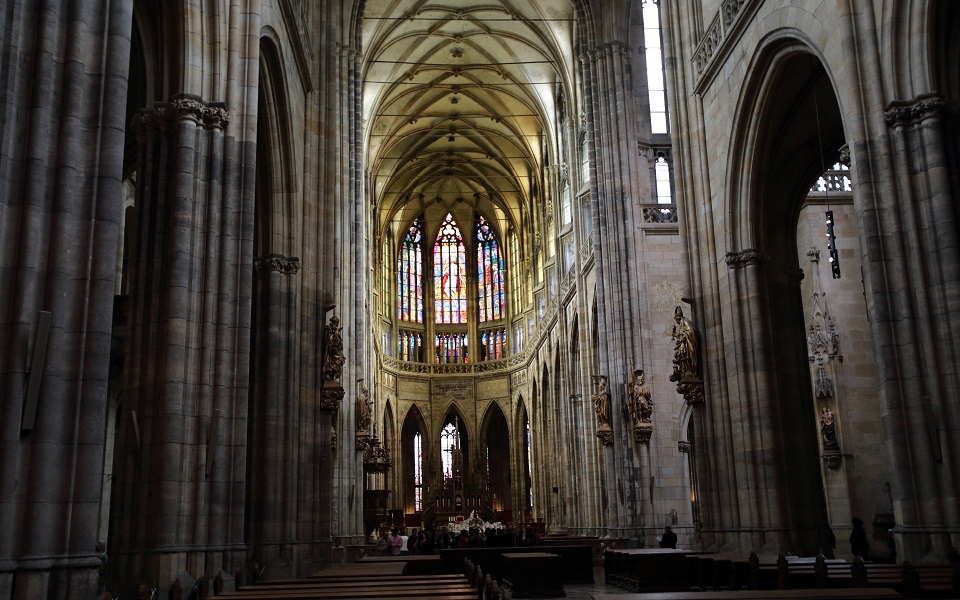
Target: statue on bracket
(601,404)
(333,350)
(685,349)
(686,364)
(363,407)
(828,438)
(640,406)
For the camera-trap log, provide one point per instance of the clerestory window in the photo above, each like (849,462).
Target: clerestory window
(463,309)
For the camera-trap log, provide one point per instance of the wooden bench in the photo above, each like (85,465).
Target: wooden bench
(453,587)
(817,593)
(912,580)
(576,561)
(718,571)
(649,569)
(533,574)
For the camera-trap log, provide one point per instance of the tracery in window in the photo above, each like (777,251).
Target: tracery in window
(451,347)
(410,345)
(451,455)
(410,275)
(493,344)
(449,267)
(489,273)
(661,170)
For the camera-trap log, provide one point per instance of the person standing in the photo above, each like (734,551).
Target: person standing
(858,540)
(395,543)
(668,539)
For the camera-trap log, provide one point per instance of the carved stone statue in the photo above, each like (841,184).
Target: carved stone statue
(363,407)
(685,348)
(828,430)
(601,400)
(333,350)
(640,404)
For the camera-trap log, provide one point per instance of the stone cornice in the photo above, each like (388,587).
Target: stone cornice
(288,265)
(745,258)
(913,111)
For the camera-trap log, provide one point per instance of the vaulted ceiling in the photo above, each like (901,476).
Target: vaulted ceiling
(460,103)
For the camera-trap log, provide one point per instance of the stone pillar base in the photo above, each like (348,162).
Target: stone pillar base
(127,571)
(287,560)
(67,582)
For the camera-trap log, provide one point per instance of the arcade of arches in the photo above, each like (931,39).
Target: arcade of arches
(277,272)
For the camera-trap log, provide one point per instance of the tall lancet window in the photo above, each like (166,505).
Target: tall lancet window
(653,43)
(417,472)
(410,275)
(490,273)
(449,447)
(450,274)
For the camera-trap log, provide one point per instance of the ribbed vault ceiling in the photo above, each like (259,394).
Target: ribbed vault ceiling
(460,102)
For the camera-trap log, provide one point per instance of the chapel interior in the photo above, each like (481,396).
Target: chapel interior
(280,274)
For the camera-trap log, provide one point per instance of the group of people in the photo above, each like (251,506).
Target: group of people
(396,542)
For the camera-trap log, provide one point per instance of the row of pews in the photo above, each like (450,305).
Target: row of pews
(692,574)
(361,581)
(456,574)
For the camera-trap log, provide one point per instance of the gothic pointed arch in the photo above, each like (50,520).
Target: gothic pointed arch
(495,458)
(790,126)
(415,458)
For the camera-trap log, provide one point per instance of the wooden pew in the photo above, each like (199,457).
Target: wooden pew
(446,586)
(648,569)
(533,574)
(576,561)
(813,593)
(719,571)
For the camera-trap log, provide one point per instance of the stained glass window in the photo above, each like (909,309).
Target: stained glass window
(489,272)
(450,274)
(451,347)
(448,446)
(493,344)
(417,472)
(410,275)
(410,345)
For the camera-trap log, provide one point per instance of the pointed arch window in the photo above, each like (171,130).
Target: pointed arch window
(450,274)
(410,275)
(450,449)
(489,273)
(417,472)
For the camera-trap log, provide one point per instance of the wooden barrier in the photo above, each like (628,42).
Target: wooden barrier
(649,569)
(533,574)
(576,561)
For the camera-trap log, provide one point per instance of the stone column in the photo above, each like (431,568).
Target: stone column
(773,443)
(273,507)
(921,313)
(61,137)
(181,447)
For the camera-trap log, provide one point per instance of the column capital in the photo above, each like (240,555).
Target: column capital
(745,258)
(908,112)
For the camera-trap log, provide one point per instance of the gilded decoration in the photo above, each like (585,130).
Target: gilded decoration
(601,405)
(640,407)
(364,407)
(331,398)
(685,349)
(333,350)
